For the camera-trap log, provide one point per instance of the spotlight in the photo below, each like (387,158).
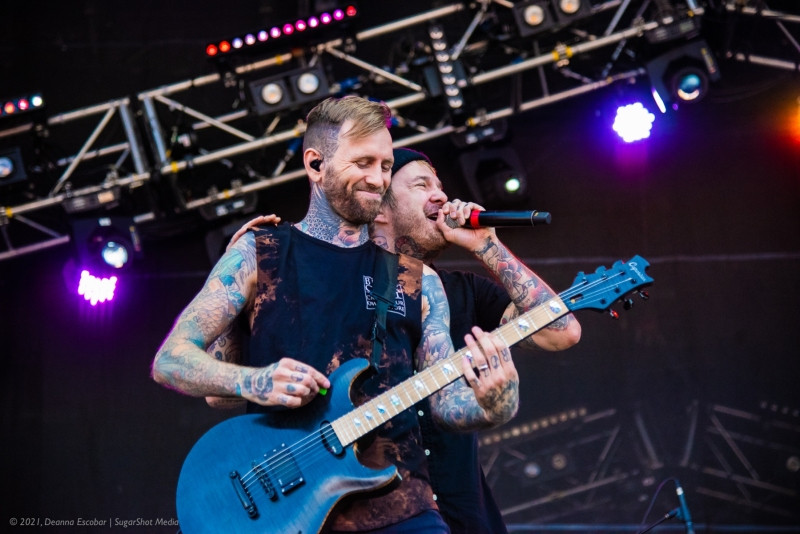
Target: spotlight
(494,176)
(682,75)
(106,245)
(533,17)
(568,11)
(12,168)
(290,89)
(633,122)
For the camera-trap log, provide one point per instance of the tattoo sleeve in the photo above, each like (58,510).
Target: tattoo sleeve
(182,361)
(524,287)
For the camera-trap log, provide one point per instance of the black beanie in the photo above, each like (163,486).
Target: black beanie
(404,156)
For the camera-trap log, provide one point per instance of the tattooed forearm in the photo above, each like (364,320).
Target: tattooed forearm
(436,341)
(457,408)
(527,291)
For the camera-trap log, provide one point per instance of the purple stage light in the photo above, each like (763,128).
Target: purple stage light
(633,122)
(96,289)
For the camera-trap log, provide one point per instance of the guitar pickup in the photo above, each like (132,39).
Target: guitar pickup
(284,469)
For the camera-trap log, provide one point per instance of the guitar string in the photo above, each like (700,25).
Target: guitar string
(284,456)
(296,453)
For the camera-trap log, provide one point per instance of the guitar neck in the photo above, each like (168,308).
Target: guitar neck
(373,413)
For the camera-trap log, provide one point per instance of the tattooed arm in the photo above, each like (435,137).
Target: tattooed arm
(523,286)
(183,364)
(485,399)
(227,348)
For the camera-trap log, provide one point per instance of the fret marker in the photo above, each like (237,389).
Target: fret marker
(356,422)
(448,369)
(381,408)
(419,385)
(554,307)
(368,415)
(395,400)
(523,325)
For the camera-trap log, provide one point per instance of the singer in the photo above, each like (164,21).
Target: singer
(415,219)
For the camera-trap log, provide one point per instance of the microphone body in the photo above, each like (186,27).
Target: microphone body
(486,219)
(684,509)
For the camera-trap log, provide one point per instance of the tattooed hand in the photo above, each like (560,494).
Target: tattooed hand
(287,383)
(490,371)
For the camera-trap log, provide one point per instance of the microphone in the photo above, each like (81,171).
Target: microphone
(684,510)
(484,219)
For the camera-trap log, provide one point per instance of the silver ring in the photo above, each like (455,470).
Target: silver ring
(483,367)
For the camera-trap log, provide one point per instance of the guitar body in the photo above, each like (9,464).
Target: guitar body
(276,473)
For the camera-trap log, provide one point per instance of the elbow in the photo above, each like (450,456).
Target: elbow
(573,334)
(158,371)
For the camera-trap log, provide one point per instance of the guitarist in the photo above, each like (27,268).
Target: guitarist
(406,224)
(304,289)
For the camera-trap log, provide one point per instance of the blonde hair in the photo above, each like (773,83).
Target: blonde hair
(324,122)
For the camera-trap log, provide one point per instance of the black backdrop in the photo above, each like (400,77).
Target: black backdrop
(712,201)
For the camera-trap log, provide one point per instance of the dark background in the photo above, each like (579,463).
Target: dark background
(712,201)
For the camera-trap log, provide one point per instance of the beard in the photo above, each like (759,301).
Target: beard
(418,234)
(346,203)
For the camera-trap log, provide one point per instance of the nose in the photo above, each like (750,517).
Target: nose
(438,197)
(377,178)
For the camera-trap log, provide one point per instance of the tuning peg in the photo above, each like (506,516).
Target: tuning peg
(644,294)
(614,314)
(627,303)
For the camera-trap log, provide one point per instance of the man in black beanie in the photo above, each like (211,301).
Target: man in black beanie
(412,221)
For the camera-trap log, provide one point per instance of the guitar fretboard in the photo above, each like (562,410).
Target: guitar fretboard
(407,393)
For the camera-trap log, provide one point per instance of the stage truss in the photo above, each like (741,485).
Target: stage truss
(198,143)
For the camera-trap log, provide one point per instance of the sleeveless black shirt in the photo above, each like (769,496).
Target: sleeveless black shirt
(313,304)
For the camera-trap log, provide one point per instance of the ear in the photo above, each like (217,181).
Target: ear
(382,218)
(310,155)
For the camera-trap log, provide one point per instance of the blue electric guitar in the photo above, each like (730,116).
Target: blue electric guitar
(283,473)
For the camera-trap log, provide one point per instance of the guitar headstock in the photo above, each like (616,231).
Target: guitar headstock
(602,288)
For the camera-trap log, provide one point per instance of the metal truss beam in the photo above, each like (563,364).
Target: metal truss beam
(143,151)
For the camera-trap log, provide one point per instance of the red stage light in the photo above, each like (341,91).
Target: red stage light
(23,104)
(351,11)
(212,50)
(8,108)
(288,29)
(224,47)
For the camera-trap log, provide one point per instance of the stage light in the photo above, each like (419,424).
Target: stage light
(533,17)
(285,32)
(12,167)
(495,177)
(568,11)
(94,289)
(21,104)
(682,75)
(287,90)
(633,122)
(451,77)
(272,93)
(106,245)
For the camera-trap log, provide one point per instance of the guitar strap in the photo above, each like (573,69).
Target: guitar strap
(383,291)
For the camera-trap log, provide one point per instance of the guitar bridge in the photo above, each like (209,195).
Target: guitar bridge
(244,495)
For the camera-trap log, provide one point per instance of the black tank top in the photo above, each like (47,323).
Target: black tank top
(313,304)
